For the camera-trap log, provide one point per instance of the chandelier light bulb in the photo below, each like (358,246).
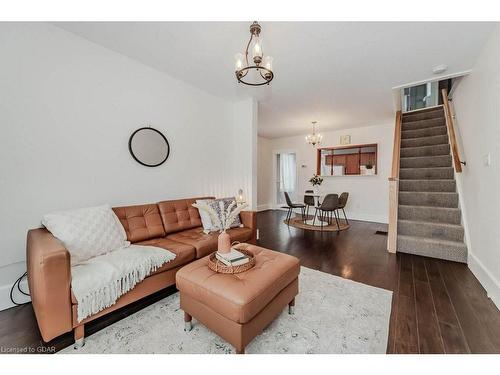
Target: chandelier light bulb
(268,63)
(257,51)
(238,61)
(268,67)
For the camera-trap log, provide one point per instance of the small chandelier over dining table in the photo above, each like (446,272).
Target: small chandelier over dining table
(314,138)
(259,71)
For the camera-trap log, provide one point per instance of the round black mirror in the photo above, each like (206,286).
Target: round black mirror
(149,147)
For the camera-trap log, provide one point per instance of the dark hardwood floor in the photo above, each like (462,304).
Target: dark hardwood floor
(437,307)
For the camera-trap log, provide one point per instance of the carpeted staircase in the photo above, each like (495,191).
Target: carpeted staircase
(429,220)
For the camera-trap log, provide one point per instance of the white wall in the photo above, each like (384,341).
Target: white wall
(244,150)
(67,109)
(368,195)
(476,102)
(264,175)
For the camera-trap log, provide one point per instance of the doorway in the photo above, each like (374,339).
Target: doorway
(286,176)
(420,96)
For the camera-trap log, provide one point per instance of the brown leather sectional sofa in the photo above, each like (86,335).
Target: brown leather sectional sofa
(174,225)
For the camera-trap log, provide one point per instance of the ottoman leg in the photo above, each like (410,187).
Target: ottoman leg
(187,322)
(291,307)
(240,351)
(79,333)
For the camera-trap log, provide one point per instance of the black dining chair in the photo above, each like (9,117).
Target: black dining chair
(290,205)
(342,202)
(328,209)
(309,201)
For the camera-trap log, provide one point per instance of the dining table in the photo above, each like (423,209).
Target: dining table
(317,202)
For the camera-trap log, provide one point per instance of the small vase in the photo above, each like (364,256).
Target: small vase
(224,243)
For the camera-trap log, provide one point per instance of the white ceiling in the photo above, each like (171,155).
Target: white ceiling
(338,73)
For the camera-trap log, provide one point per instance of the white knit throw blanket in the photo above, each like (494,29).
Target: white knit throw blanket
(100,281)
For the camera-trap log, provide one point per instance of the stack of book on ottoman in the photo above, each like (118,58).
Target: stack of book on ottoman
(233,258)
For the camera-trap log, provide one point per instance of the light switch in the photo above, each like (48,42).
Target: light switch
(487,160)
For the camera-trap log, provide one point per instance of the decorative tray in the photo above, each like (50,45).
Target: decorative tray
(217,266)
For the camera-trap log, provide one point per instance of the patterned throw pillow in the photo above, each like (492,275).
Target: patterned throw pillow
(87,232)
(206,220)
(215,204)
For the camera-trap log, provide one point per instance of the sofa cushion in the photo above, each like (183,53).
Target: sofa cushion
(141,222)
(184,253)
(207,243)
(179,214)
(241,234)
(239,297)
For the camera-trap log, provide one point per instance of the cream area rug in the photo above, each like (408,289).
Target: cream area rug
(332,315)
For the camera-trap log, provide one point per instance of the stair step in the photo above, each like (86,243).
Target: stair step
(435,199)
(423,124)
(425,151)
(428,213)
(428,185)
(423,115)
(437,173)
(425,132)
(425,161)
(443,231)
(435,248)
(425,141)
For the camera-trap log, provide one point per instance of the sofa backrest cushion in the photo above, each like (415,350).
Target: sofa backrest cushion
(141,222)
(179,214)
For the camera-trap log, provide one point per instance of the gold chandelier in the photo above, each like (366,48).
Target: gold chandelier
(259,72)
(314,138)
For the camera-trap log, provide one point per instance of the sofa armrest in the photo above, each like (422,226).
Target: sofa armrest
(49,280)
(249,220)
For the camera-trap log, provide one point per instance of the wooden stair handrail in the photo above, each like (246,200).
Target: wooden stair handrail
(397,147)
(392,234)
(451,132)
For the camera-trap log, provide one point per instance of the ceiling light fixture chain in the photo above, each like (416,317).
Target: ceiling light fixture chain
(261,70)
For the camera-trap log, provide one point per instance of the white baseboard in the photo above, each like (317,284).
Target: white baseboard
(5,302)
(263,207)
(354,216)
(8,275)
(487,280)
(367,217)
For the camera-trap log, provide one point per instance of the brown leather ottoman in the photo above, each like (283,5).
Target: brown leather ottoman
(239,307)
